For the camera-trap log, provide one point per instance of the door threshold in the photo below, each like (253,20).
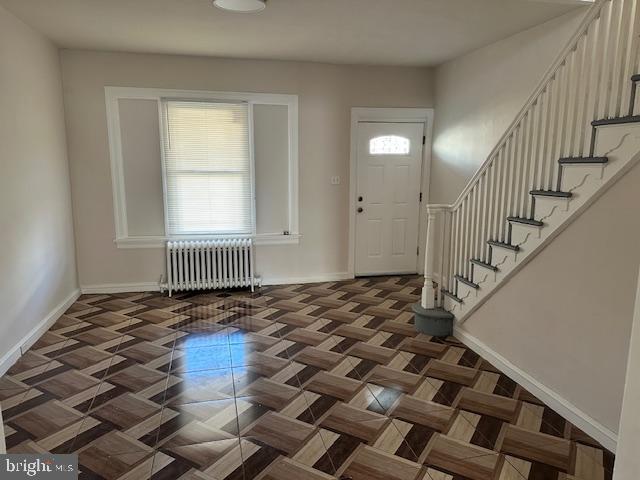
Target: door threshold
(386,274)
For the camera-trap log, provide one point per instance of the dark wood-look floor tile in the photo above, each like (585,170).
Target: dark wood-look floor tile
(46,419)
(113,455)
(316,382)
(378,354)
(357,422)
(97,336)
(137,377)
(144,352)
(270,393)
(373,464)
(539,447)
(423,412)
(322,359)
(462,458)
(334,385)
(127,410)
(488,404)
(424,347)
(308,337)
(285,434)
(397,379)
(84,357)
(199,444)
(401,328)
(452,373)
(107,319)
(287,469)
(68,383)
(28,361)
(357,333)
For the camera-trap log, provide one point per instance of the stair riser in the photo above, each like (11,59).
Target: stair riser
(520,233)
(466,293)
(545,206)
(618,143)
(575,176)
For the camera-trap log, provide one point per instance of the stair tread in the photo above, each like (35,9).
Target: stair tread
(477,261)
(451,296)
(616,120)
(508,246)
(551,193)
(525,221)
(466,281)
(582,160)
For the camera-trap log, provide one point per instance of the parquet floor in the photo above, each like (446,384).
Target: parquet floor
(293,382)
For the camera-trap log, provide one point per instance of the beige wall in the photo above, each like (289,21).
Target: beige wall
(569,327)
(37,261)
(271,152)
(142,167)
(479,94)
(326,94)
(627,465)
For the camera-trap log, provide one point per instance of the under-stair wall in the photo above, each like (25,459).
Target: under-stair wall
(566,318)
(627,464)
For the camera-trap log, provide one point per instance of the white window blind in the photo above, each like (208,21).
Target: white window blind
(207,168)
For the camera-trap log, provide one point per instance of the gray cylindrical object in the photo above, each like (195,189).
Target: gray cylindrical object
(433,321)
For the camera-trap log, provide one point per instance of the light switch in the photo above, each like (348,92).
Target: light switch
(335,180)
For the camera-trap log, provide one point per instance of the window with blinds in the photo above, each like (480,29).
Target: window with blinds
(207,168)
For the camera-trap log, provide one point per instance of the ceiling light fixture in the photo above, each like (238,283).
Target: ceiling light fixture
(243,6)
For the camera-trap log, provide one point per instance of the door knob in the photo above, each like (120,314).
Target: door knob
(360,210)
(359,199)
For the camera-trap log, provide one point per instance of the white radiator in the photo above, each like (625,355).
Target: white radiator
(210,264)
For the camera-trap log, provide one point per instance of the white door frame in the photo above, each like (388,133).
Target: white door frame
(389,115)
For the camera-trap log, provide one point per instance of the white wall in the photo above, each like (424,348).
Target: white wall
(565,319)
(627,466)
(37,260)
(326,95)
(479,94)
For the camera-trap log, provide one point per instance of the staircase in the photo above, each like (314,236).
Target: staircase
(576,135)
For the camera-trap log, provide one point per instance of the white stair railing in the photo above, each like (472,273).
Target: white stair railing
(590,80)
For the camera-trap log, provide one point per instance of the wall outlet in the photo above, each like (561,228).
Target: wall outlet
(335,180)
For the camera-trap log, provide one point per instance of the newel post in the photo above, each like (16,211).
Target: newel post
(430,319)
(428,290)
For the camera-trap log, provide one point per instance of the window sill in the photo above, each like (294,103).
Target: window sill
(160,242)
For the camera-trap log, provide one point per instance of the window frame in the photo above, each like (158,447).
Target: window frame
(252,170)
(122,238)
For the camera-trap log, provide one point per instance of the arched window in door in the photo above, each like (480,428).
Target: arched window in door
(389,145)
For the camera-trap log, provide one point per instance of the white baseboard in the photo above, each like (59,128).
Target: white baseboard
(561,405)
(155,287)
(36,332)
(327,277)
(121,288)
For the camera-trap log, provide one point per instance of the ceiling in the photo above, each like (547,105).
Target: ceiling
(378,32)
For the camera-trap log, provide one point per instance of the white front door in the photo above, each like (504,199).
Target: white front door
(389,168)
